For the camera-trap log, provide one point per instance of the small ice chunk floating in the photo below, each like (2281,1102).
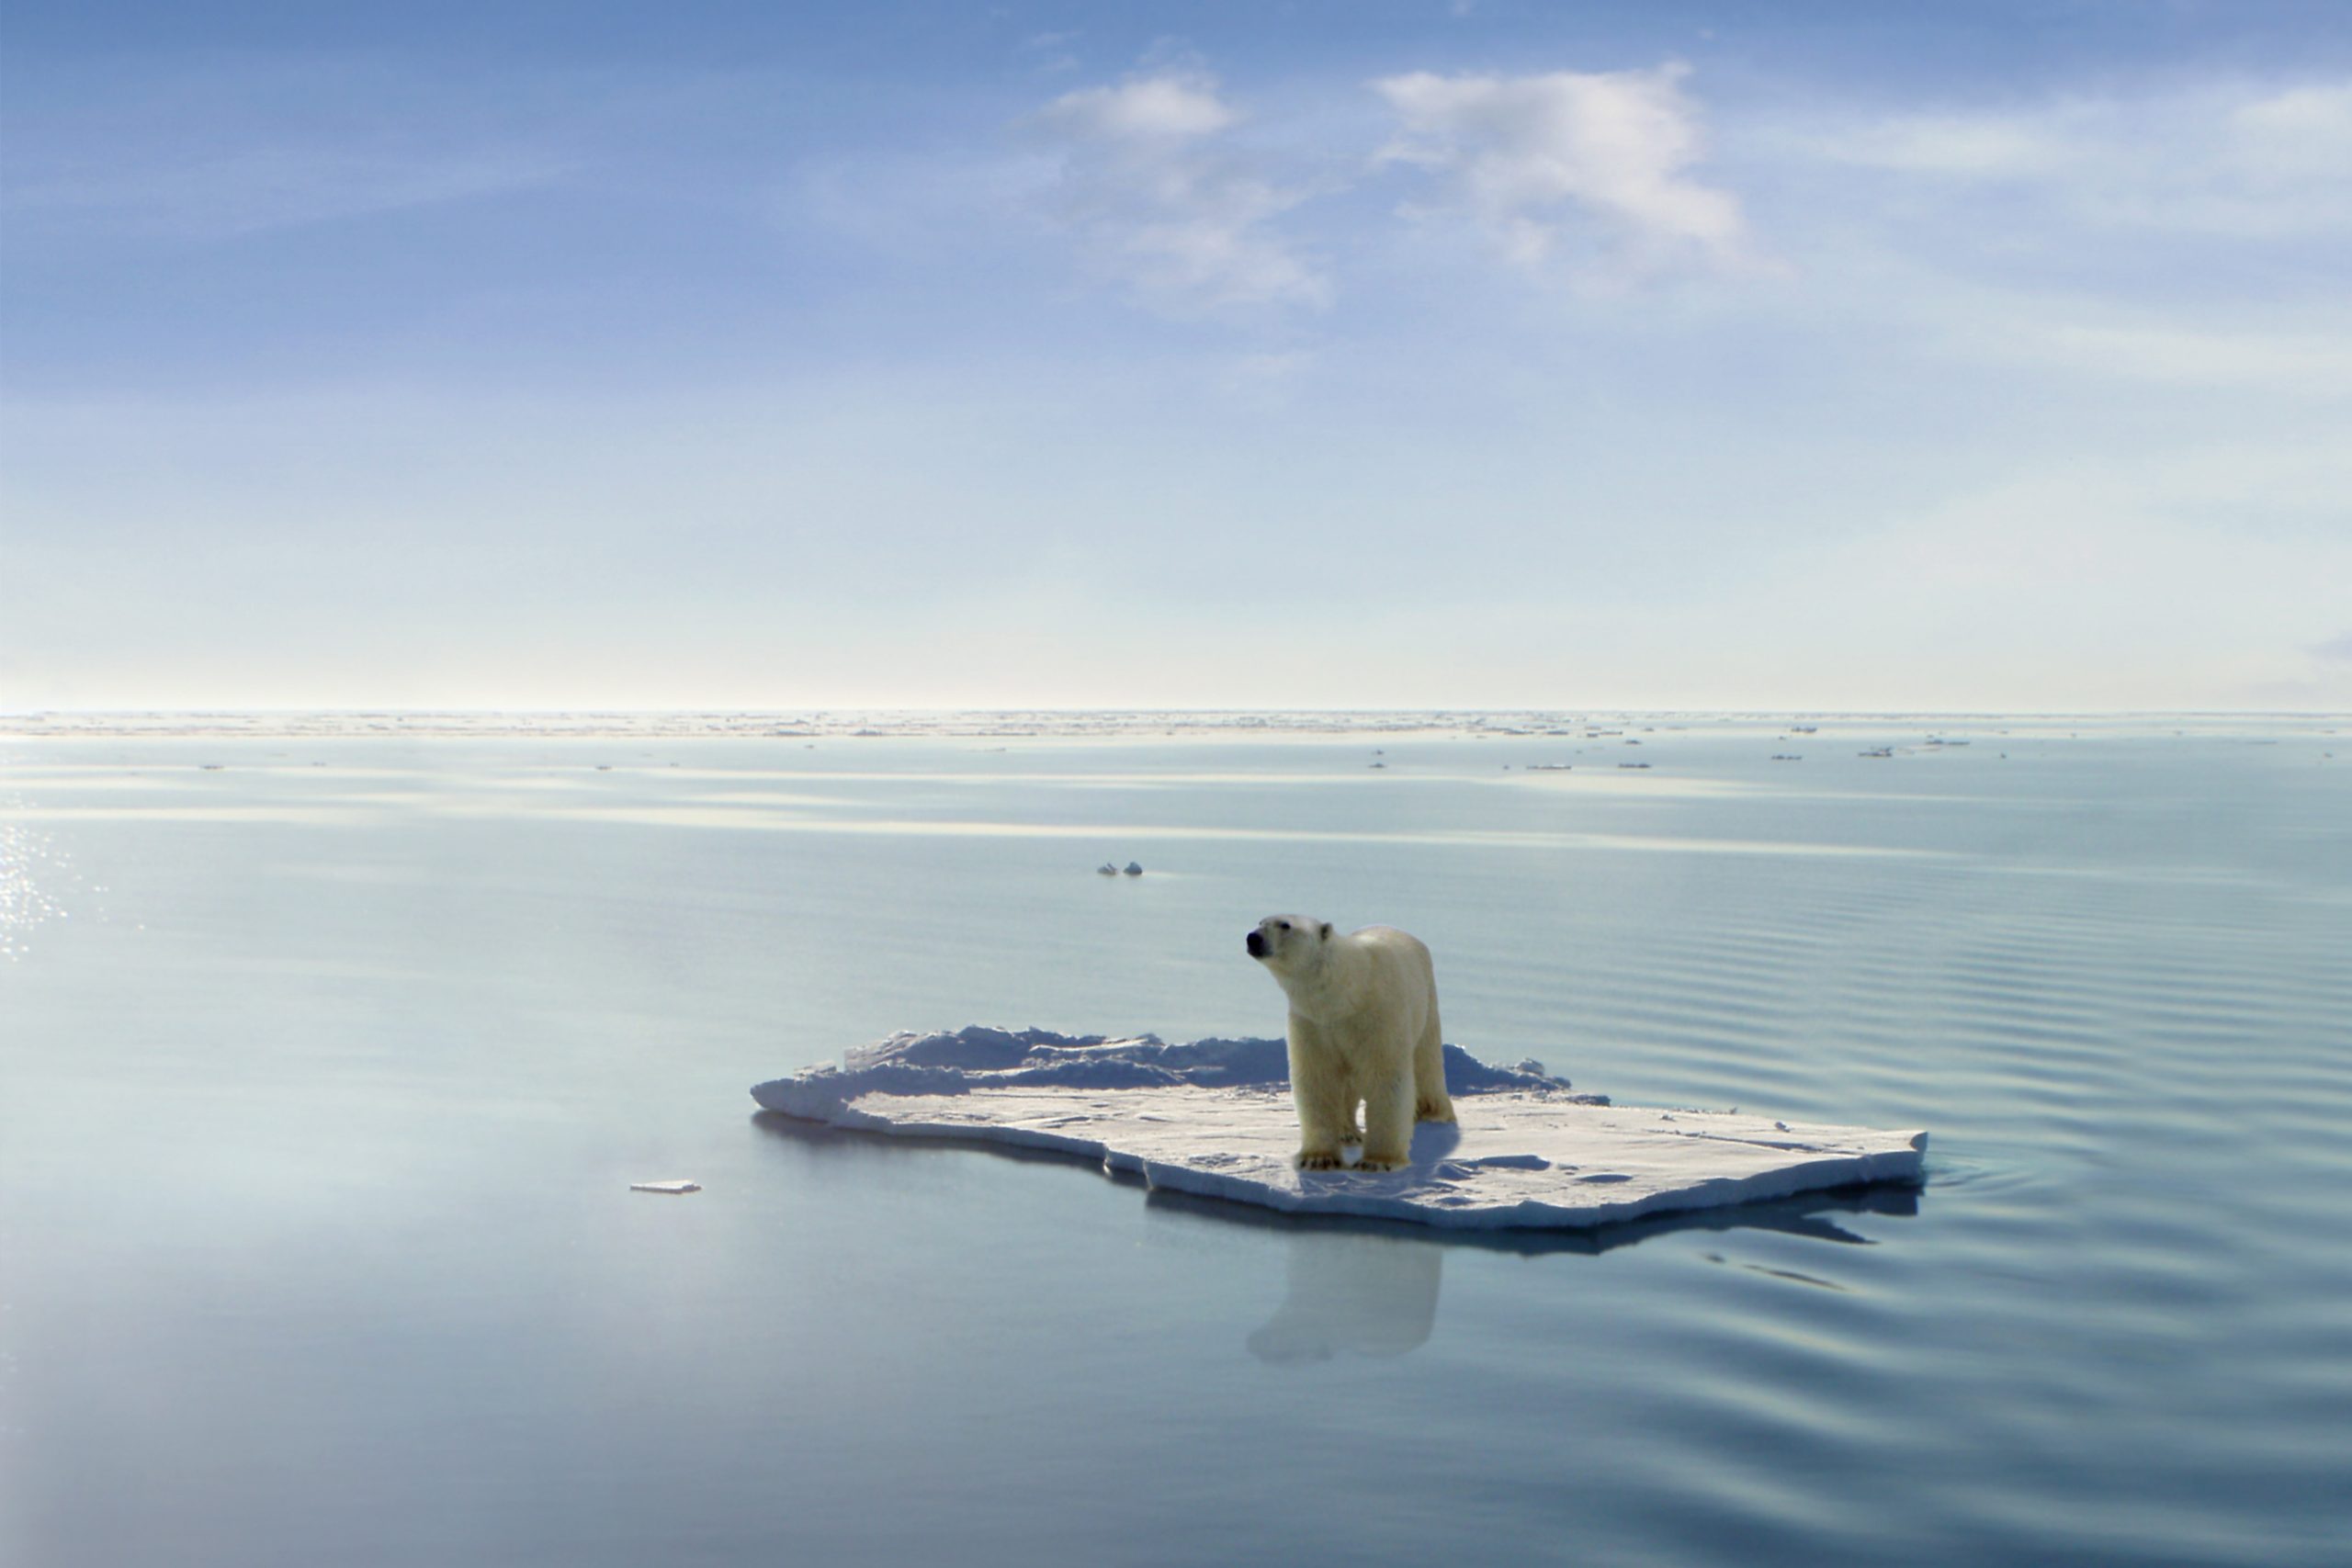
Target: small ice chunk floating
(1214,1118)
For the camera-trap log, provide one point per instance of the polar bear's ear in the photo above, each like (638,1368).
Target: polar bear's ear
(1327,930)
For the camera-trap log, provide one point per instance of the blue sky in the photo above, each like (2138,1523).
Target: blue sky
(1756,355)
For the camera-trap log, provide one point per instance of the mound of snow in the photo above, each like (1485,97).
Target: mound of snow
(980,1057)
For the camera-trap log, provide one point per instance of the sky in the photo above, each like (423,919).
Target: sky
(1754,355)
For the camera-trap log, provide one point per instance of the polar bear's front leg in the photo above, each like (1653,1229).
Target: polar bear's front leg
(1388,1117)
(1321,1091)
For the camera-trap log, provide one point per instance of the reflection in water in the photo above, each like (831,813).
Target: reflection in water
(1374,1295)
(1805,1215)
(1370,1287)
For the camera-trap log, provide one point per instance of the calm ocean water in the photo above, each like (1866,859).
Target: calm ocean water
(326,1061)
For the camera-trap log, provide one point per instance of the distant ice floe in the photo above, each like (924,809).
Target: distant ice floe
(1214,1118)
(809,726)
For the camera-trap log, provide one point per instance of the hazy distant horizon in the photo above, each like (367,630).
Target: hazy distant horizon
(1049,722)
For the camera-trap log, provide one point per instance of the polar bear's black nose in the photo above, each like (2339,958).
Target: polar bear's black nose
(1256,943)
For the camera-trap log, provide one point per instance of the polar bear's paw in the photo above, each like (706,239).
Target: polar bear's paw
(1382,1162)
(1433,1110)
(1319,1159)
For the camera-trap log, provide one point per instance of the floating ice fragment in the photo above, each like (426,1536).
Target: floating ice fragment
(669,1187)
(1212,1118)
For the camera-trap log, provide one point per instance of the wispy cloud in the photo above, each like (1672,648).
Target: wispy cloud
(247,145)
(2318,363)
(249,190)
(2185,237)
(1168,202)
(1051,52)
(2239,159)
(1596,164)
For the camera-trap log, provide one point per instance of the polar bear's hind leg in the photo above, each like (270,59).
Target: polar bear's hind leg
(1388,1121)
(1430,1102)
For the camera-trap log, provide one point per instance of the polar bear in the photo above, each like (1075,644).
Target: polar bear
(1363,1030)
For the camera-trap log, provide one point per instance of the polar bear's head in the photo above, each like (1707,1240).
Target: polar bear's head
(1287,945)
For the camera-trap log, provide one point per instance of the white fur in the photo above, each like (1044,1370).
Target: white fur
(1364,1031)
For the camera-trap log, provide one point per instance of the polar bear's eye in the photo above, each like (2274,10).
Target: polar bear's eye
(1282,925)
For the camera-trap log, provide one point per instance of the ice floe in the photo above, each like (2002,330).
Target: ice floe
(1214,1118)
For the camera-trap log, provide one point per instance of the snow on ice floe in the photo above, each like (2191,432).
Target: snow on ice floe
(1214,1118)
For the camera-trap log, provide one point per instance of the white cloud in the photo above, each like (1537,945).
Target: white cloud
(1168,203)
(1173,203)
(1148,108)
(1544,161)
